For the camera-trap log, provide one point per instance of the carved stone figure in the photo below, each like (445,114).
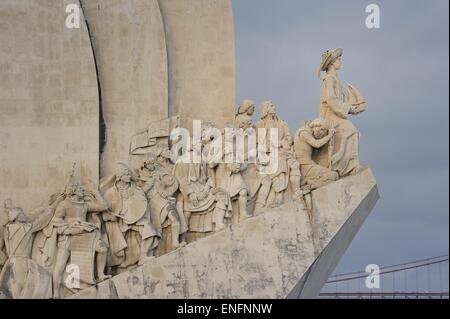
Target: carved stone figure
(79,236)
(243,118)
(45,243)
(164,157)
(131,234)
(295,176)
(313,136)
(160,187)
(258,185)
(228,172)
(204,206)
(335,106)
(280,176)
(22,277)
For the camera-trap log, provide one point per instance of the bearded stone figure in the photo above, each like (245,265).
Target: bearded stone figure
(78,225)
(243,118)
(21,276)
(160,187)
(277,168)
(205,207)
(132,236)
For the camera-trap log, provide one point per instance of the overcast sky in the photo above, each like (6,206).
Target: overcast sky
(402,70)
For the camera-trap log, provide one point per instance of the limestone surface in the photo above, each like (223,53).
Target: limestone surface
(201,60)
(49,103)
(277,254)
(129,45)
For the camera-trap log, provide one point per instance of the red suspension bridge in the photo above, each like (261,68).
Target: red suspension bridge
(419,279)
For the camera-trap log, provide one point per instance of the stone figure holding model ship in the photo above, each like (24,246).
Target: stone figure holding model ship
(336,104)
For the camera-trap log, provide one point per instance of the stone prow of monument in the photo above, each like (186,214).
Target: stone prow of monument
(279,253)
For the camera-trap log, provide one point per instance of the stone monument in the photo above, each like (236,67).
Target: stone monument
(126,172)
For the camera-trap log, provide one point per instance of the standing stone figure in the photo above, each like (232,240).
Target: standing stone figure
(205,207)
(295,176)
(45,243)
(160,187)
(21,277)
(335,107)
(313,136)
(131,234)
(258,185)
(228,171)
(243,118)
(280,178)
(79,236)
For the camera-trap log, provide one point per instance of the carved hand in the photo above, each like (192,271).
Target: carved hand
(108,217)
(194,199)
(332,131)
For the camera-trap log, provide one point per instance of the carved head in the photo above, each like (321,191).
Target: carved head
(247,107)
(80,192)
(17,214)
(149,163)
(124,173)
(319,127)
(209,132)
(267,107)
(75,189)
(162,153)
(331,58)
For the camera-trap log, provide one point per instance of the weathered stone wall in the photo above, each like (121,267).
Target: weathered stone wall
(129,45)
(277,254)
(158,59)
(155,59)
(49,104)
(201,59)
